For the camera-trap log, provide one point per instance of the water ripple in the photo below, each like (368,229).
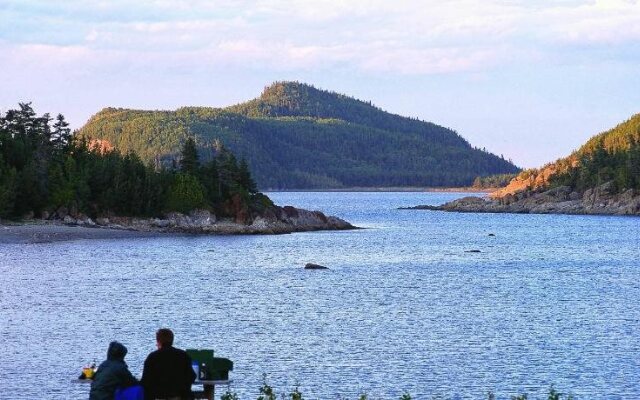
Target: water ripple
(548,299)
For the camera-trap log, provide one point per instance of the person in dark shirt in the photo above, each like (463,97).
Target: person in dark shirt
(167,372)
(112,374)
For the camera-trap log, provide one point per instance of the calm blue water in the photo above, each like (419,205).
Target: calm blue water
(549,299)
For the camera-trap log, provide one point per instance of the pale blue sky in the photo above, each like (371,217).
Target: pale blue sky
(528,79)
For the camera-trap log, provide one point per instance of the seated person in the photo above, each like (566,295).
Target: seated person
(167,372)
(112,374)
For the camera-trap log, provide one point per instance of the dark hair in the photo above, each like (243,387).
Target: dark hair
(164,336)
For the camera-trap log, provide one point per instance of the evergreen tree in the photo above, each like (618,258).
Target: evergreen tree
(29,193)
(189,162)
(186,194)
(61,191)
(7,189)
(228,173)
(633,164)
(211,182)
(61,135)
(43,168)
(244,178)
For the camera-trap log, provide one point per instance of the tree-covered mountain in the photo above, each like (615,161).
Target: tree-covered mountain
(297,136)
(611,157)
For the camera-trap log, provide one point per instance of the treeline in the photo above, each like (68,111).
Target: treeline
(621,168)
(297,136)
(492,181)
(610,157)
(44,168)
(295,99)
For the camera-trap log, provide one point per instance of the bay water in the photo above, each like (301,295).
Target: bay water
(438,305)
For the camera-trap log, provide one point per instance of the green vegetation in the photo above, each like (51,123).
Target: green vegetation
(44,169)
(266,392)
(612,156)
(297,136)
(553,395)
(492,181)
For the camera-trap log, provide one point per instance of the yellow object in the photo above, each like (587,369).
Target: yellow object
(88,372)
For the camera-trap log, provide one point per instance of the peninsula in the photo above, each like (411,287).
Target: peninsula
(50,176)
(602,177)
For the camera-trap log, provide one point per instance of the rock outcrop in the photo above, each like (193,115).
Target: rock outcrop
(314,266)
(601,200)
(274,220)
(533,180)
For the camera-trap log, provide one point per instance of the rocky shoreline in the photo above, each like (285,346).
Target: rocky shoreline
(275,220)
(601,200)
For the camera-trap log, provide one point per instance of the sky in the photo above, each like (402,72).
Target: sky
(531,80)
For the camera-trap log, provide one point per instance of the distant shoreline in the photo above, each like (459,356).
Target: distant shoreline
(391,189)
(599,200)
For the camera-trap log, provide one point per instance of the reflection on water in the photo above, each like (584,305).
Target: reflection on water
(405,306)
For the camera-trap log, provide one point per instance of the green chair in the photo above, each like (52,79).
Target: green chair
(217,369)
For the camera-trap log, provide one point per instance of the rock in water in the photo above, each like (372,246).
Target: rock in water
(314,266)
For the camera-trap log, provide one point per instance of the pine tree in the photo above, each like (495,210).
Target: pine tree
(42,168)
(189,162)
(29,194)
(211,181)
(61,192)
(186,194)
(228,172)
(633,164)
(61,135)
(244,178)
(7,189)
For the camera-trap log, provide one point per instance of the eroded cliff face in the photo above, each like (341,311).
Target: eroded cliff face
(100,146)
(534,180)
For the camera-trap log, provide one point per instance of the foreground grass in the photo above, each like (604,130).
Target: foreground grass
(268,393)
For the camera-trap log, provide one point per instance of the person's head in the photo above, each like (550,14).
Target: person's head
(164,338)
(116,351)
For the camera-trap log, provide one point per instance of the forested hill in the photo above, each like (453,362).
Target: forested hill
(297,136)
(611,158)
(292,99)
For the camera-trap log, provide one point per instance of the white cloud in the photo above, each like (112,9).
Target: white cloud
(603,22)
(431,61)
(32,56)
(403,36)
(507,63)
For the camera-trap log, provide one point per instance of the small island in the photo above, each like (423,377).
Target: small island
(49,176)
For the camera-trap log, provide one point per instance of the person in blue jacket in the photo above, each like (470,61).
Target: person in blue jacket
(112,374)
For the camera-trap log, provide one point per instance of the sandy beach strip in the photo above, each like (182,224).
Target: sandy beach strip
(48,232)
